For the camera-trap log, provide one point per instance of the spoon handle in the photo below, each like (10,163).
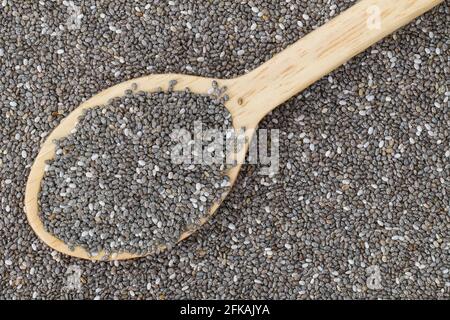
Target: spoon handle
(323,50)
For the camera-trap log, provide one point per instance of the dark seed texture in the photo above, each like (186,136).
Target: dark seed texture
(114,184)
(359,209)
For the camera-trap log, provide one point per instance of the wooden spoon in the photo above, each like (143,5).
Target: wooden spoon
(252,95)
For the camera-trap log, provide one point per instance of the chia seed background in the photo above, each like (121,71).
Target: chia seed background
(360,208)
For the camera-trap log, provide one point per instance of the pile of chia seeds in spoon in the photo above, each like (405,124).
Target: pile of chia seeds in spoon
(118,182)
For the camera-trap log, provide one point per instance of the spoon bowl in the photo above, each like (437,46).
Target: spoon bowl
(151,83)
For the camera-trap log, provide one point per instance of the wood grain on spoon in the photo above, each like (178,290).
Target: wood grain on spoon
(253,95)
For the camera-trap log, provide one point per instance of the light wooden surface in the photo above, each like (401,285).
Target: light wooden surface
(253,95)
